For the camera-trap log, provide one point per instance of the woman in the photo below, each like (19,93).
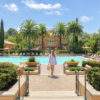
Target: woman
(52,61)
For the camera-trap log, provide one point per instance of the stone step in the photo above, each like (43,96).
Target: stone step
(67,98)
(52,94)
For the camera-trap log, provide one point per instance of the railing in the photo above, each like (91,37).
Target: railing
(77,82)
(27,83)
(85,98)
(18,73)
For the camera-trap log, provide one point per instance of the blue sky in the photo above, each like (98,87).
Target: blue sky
(50,12)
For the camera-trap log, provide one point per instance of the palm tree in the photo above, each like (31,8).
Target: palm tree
(75,29)
(60,31)
(29,29)
(43,32)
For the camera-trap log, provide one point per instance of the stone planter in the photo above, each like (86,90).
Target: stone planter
(31,64)
(12,93)
(73,72)
(91,93)
(71,64)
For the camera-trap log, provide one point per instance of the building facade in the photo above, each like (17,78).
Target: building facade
(8,45)
(51,42)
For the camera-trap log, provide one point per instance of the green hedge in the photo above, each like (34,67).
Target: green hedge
(29,69)
(76,69)
(98,52)
(93,77)
(91,63)
(8,75)
(24,51)
(62,51)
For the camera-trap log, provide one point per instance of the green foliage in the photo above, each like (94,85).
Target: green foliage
(93,42)
(32,59)
(91,63)
(42,33)
(93,77)
(8,75)
(72,61)
(60,31)
(29,29)
(1,35)
(63,51)
(98,52)
(24,51)
(12,32)
(75,29)
(76,69)
(29,69)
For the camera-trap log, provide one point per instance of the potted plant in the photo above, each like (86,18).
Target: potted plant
(31,62)
(72,63)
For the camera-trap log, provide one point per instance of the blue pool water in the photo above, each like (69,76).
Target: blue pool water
(42,59)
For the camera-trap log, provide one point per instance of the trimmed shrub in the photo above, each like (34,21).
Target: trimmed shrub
(24,51)
(29,69)
(91,63)
(62,51)
(98,52)
(8,65)
(32,59)
(93,77)
(8,75)
(76,69)
(72,61)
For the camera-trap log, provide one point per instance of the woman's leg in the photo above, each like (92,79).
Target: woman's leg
(52,70)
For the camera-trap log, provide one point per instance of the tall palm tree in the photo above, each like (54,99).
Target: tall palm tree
(60,31)
(43,32)
(29,29)
(75,29)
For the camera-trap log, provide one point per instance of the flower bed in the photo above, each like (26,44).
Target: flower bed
(8,75)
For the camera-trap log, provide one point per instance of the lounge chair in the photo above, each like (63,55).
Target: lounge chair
(41,54)
(16,54)
(36,54)
(20,54)
(32,54)
(23,54)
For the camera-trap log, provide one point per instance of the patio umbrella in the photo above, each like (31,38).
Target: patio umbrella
(86,48)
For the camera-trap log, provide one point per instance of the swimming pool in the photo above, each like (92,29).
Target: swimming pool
(41,59)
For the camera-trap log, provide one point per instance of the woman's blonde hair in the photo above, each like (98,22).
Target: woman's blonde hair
(53,53)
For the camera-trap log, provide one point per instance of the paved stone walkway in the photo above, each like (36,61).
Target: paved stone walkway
(58,70)
(46,83)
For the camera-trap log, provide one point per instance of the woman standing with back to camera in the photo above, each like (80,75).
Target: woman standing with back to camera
(52,61)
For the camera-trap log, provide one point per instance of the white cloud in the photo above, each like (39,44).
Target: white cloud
(11,7)
(86,18)
(34,5)
(53,13)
